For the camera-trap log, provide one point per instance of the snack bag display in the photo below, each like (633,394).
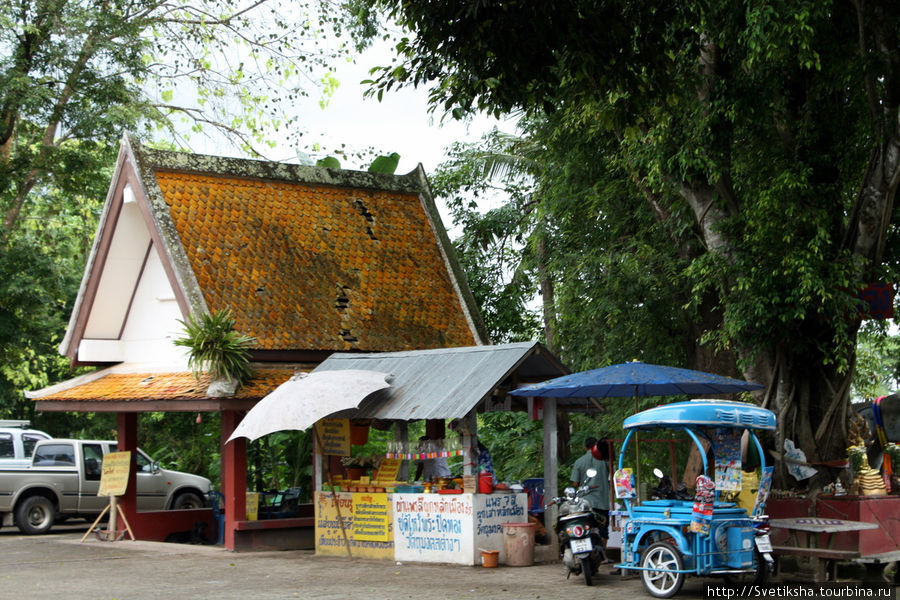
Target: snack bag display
(704,500)
(728,459)
(624,482)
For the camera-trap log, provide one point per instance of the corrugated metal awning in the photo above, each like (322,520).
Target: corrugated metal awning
(446,383)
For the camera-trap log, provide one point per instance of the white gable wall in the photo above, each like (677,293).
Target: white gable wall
(134,317)
(119,275)
(152,322)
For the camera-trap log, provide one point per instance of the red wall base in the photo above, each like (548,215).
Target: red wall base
(156,526)
(884,511)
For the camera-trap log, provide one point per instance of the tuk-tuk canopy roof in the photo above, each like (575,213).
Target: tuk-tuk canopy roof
(704,413)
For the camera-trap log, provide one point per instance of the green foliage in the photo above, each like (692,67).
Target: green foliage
(281,460)
(719,183)
(40,268)
(216,347)
(385,164)
(877,362)
(329,162)
(515,443)
(183,442)
(494,247)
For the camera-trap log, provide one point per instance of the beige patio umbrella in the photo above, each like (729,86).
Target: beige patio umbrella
(308,397)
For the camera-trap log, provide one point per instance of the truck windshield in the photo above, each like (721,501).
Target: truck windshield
(29,440)
(55,455)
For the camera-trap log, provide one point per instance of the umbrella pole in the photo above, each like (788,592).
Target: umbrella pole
(337,505)
(637,450)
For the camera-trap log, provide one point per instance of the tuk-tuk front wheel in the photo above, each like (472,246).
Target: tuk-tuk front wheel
(661,563)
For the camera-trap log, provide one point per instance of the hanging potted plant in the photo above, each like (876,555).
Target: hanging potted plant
(359,432)
(357,466)
(215,347)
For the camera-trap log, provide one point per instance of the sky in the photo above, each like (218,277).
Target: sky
(399,123)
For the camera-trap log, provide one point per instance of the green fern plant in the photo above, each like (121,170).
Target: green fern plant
(216,347)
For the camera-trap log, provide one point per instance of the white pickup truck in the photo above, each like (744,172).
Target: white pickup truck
(17,443)
(63,478)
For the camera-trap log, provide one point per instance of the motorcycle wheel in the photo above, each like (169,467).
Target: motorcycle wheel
(661,563)
(588,569)
(758,577)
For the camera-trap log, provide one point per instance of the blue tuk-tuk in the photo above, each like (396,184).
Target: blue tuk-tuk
(667,539)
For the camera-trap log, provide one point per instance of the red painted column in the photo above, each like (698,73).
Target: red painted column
(127,440)
(234,475)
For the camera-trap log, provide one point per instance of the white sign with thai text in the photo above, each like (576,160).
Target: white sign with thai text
(453,528)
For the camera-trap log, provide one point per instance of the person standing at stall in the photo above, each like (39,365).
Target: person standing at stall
(595,457)
(430,469)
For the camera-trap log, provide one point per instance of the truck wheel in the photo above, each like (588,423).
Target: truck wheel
(34,515)
(187,500)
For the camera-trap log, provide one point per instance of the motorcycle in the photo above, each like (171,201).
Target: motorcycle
(665,491)
(578,530)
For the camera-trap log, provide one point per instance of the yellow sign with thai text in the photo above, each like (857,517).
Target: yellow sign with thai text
(389,469)
(335,436)
(372,517)
(331,529)
(114,477)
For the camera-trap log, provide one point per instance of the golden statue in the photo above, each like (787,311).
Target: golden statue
(866,480)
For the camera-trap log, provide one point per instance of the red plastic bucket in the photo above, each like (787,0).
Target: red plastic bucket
(485,483)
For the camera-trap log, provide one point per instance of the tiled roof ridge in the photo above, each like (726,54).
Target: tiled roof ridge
(151,174)
(278,171)
(148,162)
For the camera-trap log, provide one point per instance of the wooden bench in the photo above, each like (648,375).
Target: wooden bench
(876,565)
(822,562)
(804,533)
(828,553)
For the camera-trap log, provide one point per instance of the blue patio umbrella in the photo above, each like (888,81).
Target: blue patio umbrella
(635,379)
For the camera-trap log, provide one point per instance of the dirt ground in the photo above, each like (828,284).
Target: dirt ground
(59,565)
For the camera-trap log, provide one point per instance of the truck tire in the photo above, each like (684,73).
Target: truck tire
(187,500)
(35,515)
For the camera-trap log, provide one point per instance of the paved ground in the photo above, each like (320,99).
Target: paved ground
(60,566)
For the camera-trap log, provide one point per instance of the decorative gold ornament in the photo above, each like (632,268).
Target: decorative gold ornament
(866,480)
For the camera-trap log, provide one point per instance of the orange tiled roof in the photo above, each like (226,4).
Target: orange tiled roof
(316,267)
(165,386)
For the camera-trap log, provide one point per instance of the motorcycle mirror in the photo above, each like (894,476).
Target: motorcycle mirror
(590,472)
(658,473)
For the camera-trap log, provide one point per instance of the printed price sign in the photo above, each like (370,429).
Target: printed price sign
(114,477)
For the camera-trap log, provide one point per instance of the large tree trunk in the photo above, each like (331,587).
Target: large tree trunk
(549,317)
(811,400)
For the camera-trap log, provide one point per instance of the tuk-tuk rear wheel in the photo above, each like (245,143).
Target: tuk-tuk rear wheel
(758,577)
(661,563)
